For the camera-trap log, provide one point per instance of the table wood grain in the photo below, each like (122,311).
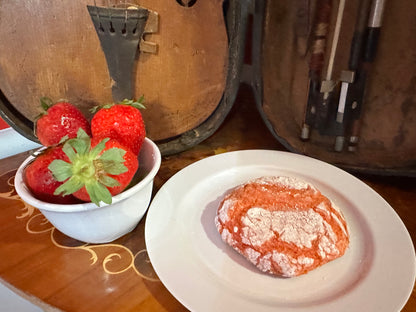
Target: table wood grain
(61,274)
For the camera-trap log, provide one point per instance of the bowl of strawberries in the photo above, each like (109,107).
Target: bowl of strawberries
(93,179)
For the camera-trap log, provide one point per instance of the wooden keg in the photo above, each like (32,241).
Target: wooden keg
(285,34)
(189,66)
(186,62)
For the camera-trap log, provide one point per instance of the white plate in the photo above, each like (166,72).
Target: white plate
(377,273)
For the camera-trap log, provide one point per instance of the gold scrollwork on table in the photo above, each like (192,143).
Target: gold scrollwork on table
(117,258)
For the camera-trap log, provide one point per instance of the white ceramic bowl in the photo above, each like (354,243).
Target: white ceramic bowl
(91,224)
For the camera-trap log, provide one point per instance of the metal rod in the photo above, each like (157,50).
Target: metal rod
(370,51)
(328,85)
(348,77)
(341,9)
(320,34)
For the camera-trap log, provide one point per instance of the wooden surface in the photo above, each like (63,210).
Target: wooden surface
(59,273)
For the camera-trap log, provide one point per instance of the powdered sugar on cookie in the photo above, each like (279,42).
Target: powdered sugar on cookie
(283,225)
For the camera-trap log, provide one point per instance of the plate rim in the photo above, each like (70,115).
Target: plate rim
(247,153)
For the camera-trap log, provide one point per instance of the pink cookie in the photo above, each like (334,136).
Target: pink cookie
(283,225)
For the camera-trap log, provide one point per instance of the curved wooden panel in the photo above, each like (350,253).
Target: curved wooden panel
(52,49)
(387,137)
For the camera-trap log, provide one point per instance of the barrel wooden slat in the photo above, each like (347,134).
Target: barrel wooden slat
(53,50)
(387,138)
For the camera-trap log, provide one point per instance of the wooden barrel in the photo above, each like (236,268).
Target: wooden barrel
(283,31)
(189,80)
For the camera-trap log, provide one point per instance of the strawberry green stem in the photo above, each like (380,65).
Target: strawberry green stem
(88,167)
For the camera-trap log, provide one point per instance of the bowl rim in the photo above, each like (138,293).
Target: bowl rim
(24,193)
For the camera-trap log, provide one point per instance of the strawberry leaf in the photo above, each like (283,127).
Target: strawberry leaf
(112,161)
(63,139)
(109,181)
(72,185)
(81,134)
(113,154)
(98,148)
(94,109)
(45,103)
(137,104)
(141,99)
(98,192)
(61,170)
(114,168)
(69,151)
(81,146)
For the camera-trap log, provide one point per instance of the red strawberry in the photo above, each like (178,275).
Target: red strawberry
(59,120)
(39,178)
(122,122)
(96,170)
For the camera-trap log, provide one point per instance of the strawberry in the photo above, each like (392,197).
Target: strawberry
(97,168)
(40,180)
(59,120)
(123,122)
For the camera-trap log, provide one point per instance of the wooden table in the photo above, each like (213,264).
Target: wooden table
(59,273)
